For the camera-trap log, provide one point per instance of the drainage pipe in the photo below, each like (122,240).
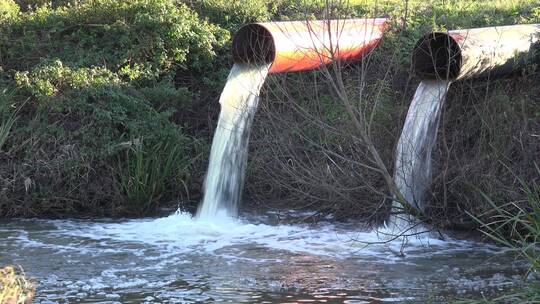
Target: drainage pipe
(302,45)
(478,52)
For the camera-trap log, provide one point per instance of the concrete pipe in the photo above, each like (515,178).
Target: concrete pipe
(478,52)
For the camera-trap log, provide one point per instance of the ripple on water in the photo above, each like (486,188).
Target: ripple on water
(177,258)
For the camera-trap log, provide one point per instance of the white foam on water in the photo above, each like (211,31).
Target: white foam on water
(225,176)
(180,233)
(180,254)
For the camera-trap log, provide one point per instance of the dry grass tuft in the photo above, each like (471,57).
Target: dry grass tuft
(14,287)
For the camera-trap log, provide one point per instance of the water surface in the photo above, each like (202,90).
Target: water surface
(176,259)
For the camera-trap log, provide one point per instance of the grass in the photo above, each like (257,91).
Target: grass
(5,128)
(14,287)
(86,78)
(147,171)
(517,226)
(8,117)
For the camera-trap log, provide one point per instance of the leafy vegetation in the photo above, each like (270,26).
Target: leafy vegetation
(8,9)
(8,119)
(135,39)
(87,78)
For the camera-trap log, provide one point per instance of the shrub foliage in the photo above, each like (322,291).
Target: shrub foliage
(90,79)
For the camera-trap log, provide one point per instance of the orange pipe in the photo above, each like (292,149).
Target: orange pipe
(303,45)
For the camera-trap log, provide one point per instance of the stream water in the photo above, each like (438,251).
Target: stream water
(253,259)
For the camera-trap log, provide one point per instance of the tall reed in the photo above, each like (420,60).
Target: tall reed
(147,171)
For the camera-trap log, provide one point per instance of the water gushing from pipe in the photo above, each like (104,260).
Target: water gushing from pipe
(412,172)
(225,176)
(259,49)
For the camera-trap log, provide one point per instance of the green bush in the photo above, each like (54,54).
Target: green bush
(89,78)
(136,38)
(50,79)
(71,140)
(8,9)
(119,110)
(232,14)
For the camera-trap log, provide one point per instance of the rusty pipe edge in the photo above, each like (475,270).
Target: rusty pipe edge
(479,52)
(291,46)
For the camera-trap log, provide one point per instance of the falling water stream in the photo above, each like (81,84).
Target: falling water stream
(225,175)
(413,164)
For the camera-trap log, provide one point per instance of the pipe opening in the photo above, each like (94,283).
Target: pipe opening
(436,56)
(253,44)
